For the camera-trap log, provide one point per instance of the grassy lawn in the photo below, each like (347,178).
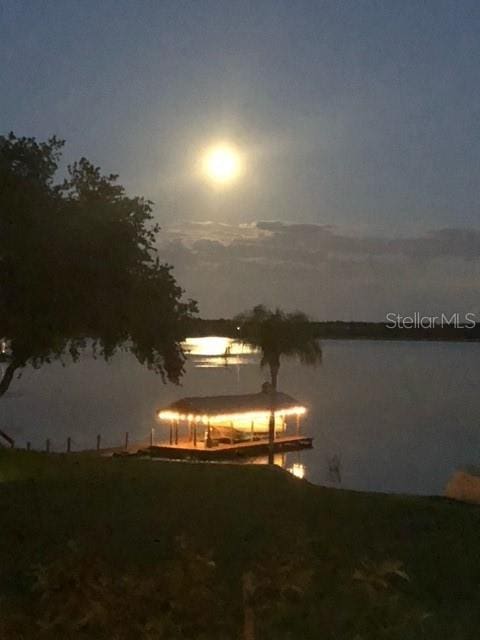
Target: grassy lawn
(129,548)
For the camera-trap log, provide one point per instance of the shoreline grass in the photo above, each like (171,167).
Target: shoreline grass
(367,565)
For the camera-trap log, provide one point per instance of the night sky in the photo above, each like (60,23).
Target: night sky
(359,122)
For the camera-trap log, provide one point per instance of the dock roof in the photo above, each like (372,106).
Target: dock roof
(234,404)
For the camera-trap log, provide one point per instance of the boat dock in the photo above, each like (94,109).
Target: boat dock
(186,450)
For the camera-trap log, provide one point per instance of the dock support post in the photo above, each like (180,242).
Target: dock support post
(29,446)
(271,437)
(176,431)
(98,442)
(47,445)
(151,437)
(171,432)
(126,440)
(69,444)
(195,434)
(209,436)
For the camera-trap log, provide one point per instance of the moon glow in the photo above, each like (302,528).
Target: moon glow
(222,165)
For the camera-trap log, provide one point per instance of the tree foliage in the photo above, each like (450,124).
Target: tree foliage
(278,334)
(78,266)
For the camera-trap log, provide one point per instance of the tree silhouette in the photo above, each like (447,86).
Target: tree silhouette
(277,334)
(78,266)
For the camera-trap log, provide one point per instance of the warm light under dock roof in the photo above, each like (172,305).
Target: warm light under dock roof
(230,417)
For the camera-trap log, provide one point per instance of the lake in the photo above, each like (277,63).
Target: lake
(386,416)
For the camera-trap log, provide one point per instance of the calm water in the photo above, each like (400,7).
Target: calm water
(398,416)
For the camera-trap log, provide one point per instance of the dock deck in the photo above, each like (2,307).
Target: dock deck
(185,449)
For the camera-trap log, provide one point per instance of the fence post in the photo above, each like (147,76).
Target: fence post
(47,445)
(98,442)
(69,444)
(28,446)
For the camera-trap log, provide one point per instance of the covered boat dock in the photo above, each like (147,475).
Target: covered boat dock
(209,427)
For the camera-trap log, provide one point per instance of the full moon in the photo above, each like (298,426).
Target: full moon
(222,164)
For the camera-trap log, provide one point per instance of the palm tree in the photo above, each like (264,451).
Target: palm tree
(277,334)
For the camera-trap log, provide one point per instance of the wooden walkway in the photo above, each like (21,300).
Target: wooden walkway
(186,450)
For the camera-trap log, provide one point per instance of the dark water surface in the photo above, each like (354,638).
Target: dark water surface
(398,416)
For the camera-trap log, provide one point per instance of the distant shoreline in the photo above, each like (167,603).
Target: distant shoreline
(340,330)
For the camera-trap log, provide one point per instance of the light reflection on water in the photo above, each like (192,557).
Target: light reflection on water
(298,470)
(216,351)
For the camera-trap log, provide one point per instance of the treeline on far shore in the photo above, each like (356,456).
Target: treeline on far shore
(340,330)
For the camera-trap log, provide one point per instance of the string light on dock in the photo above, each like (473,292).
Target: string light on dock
(228,417)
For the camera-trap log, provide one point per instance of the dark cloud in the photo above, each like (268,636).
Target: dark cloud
(463,243)
(458,243)
(327,273)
